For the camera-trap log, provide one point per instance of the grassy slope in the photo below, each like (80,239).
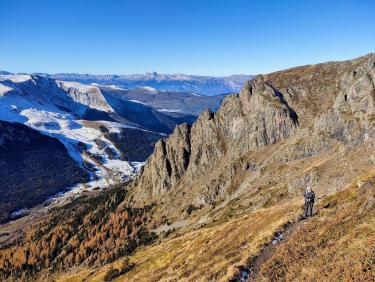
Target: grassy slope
(336,245)
(211,253)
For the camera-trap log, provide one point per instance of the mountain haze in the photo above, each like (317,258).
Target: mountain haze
(206,85)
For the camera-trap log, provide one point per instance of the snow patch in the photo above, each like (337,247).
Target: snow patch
(16,78)
(4,89)
(170,110)
(116,87)
(137,101)
(18,213)
(70,131)
(196,94)
(149,89)
(81,87)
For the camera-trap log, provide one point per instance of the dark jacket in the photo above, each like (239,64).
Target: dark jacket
(309,196)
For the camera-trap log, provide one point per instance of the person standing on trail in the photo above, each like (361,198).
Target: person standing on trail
(309,196)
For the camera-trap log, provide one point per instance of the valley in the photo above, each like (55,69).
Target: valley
(216,192)
(192,141)
(90,136)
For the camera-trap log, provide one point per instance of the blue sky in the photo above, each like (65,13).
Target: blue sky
(194,37)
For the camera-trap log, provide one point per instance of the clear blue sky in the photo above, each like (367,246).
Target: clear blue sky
(176,36)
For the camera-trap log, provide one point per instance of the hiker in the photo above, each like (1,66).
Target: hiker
(309,201)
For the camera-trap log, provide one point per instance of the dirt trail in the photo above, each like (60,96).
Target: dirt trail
(251,270)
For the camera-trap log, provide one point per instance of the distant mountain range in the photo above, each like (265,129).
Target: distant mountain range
(205,85)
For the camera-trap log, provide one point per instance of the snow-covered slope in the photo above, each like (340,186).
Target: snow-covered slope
(88,95)
(57,110)
(107,131)
(97,124)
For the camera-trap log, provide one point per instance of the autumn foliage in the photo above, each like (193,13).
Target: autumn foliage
(92,231)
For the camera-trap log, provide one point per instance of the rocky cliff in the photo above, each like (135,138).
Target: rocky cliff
(268,137)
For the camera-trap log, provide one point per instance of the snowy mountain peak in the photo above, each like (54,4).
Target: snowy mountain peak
(206,85)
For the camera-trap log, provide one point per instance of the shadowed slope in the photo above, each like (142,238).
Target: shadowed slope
(53,170)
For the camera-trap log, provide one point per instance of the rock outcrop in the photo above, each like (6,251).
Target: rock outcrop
(286,119)
(234,130)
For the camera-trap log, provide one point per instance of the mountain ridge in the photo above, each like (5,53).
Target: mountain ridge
(217,191)
(207,85)
(108,131)
(207,158)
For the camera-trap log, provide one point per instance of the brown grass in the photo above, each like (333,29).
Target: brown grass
(207,254)
(336,245)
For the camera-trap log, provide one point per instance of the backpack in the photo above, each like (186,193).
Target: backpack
(310,196)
